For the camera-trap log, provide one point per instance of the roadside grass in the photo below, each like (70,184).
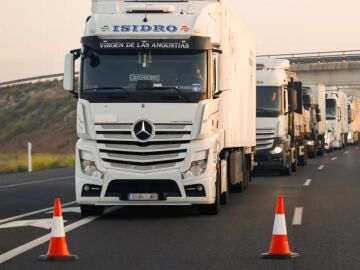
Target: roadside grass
(18,163)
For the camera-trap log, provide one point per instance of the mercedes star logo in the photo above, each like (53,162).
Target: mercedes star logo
(143,130)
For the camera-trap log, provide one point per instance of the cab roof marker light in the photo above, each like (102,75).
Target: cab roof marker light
(150,9)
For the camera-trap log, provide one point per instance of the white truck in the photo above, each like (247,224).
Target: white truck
(337,115)
(166,104)
(281,124)
(314,98)
(353,106)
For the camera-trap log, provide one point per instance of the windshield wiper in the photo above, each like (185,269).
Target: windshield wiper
(174,89)
(114,88)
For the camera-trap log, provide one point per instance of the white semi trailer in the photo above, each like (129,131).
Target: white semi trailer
(281,121)
(166,104)
(337,115)
(353,106)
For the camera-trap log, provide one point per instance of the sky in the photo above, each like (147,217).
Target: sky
(36,34)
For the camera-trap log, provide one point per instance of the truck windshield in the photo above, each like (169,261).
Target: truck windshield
(330,109)
(158,76)
(268,100)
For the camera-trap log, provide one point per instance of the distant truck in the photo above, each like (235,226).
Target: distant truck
(166,109)
(281,123)
(315,102)
(353,106)
(337,115)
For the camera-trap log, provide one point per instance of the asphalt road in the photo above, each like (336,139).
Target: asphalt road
(328,190)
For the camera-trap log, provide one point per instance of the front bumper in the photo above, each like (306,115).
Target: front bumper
(172,187)
(267,161)
(111,198)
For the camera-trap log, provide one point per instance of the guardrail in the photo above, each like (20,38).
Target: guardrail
(30,79)
(319,57)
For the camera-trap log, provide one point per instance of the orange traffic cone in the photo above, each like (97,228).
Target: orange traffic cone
(58,250)
(279,248)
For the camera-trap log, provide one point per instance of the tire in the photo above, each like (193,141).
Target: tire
(212,209)
(303,159)
(321,150)
(312,154)
(294,165)
(91,210)
(287,171)
(247,176)
(224,198)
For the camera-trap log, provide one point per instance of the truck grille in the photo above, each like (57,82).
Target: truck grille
(167,149)
(265,138)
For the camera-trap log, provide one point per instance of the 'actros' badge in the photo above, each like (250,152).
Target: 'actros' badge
(143,130)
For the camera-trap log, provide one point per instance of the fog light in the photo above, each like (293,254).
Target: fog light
(200,188)
(86,188)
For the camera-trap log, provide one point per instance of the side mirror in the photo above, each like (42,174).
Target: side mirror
(293,106)
(318,114)
(218,93)
(69,72)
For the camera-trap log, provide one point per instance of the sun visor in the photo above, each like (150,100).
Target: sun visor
(193,43)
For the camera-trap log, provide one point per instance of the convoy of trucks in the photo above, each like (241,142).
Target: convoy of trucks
(175,109)
(166,106)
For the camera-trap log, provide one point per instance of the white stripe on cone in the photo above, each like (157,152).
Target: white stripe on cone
(57,229)
(279,225)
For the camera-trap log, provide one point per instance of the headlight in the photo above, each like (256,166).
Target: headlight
(326,136)
(197,168)
(277,150)
(88,167)
(311,143)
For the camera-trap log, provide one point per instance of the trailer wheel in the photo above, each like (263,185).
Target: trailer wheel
(224,198)
(322,147)
(294,165)
(212,209)
(287,171)
(91,210)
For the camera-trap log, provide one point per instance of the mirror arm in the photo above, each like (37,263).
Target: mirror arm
(218,93)
(76,53)
(214,50)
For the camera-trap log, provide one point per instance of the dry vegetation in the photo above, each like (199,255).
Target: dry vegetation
(19,163)
(41,113)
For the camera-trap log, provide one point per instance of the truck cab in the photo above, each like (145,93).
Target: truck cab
(280,123)
(337,115)
(166,105)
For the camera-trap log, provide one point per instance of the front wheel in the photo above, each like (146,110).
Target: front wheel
(212,209)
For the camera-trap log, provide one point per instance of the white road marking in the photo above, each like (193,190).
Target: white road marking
(32,213)
(39,241)
(321,167)
(346,152)
(37,182)
(68,210)
(307,182)
(334,158)
(45,223)
(298,213)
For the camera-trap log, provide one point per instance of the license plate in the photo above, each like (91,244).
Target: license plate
(143,197)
